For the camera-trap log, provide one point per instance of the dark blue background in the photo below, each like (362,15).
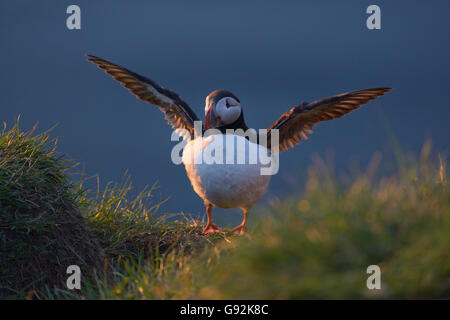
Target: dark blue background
(271,56)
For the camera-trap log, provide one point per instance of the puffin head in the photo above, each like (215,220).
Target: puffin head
(222,109)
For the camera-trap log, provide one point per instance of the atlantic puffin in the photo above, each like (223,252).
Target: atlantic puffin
(234,185)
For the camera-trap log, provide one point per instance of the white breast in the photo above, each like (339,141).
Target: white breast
(227,184)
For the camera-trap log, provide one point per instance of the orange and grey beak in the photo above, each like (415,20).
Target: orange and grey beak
(210,119)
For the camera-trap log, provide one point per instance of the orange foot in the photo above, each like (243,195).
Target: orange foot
(211,228)
(239,230)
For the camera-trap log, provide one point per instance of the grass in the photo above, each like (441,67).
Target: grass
(319,244)
(41,230)
(314,244)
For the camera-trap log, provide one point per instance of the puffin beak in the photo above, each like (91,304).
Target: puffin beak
(210,119)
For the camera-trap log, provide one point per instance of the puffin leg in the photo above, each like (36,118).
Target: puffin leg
(240,229)
(210,227)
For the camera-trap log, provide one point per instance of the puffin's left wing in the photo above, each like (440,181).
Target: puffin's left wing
(176,111)
(295,124)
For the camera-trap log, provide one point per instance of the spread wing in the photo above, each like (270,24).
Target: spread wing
(176,111)
(297,123)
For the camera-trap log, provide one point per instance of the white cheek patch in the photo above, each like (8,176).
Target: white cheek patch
(230,114)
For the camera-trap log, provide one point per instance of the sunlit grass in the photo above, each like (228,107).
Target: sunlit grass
(316,243)
(320,243)
(41,230)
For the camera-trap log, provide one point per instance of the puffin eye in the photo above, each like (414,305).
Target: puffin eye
(227,103)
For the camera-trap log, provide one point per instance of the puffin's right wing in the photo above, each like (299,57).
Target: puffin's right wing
(176,111)
(296,124)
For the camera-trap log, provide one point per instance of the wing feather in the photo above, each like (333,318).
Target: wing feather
(177,112)
(297,123)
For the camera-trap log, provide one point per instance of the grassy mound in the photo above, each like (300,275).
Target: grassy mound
(315,244)
(319,244)
(41,230)
(138,241)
